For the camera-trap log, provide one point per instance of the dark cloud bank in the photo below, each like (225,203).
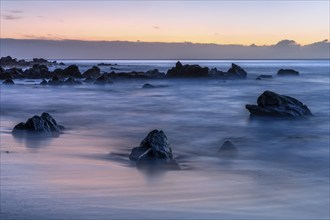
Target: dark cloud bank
(74,49)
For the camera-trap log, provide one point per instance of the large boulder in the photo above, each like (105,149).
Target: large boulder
(236,71)
(92,72)
(7,61)
(275,105)
(154,148)
(287,72)
(44,125)
(187,71)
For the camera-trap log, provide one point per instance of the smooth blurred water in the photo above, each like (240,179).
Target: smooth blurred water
(282,171)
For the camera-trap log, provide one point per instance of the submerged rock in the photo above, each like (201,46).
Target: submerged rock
(154,148)
(71,81)
(228,149)
(44,82)
(187,71)
(44,124)
(287,72)
(92,72)
(148,86)
(71,71)
(103,79)
(8,82)
(275,105)
(264,77)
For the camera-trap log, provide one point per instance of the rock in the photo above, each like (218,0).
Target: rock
(214,72)
(187,71)
(44,82)
(44,124)
(105,64)
(287,72)
(228,149)
(153,148)
(38,71)
(103,79)
(264,77)
(72,71)
(7,61)
(8,82)
(61,64)
(154,74)
(89,79)
(92,72)
(236,71)
(40,61)
(148,86)
(275,105)
(55,80)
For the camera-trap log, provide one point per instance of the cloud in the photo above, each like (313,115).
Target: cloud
(14,11)
(156,27)
(11,17)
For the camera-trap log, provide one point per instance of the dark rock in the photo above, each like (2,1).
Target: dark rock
(153,148)
(187,71)
(44,124)
(12,73)
(40,61)
(92,72)
(103,79)
(287,72)
(148,86)
(55,80)
(214,72)
(228,149)
(104,64)
(61,64)
(8,82)
(264,77)
(154,74)
(89,79)
(236,71)
(71,71)
(7,61)
(44,82)
(275,105)
(37,71)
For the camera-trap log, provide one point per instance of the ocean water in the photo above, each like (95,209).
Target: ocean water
(281,172)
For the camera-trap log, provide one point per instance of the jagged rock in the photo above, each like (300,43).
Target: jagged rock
(39,61)
(103,79)
(12,73)
(287,72)
(264,77)
(8,82)
(214,72)
(275,105)
(236,71)
(7,61)
(187,71)
(154,148)
(44,124)
(92,72)
(228,149)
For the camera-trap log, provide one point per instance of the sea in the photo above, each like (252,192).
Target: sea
(281,170)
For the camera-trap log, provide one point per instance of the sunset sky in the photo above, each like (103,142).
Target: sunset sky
(222,22)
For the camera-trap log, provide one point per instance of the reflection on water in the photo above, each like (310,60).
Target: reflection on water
(281,170)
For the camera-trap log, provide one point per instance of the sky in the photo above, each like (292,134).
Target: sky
(221,22)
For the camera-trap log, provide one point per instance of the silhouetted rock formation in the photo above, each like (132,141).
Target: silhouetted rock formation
(154,148)
(37,71)
(272,104)
(154,74)
(71,81)
(287,72)
(12,73)
(187,71)
(8,82)
(44,82)
(9,61)
(92,72)
(55,80)
(228,149)
(44,124)
(71,71)
(236,71)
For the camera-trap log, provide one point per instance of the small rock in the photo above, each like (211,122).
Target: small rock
(8,82)
(148,86)
(154,148)
(287,72)
(228,149)
(236,71)
(44,82)
(264,77)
